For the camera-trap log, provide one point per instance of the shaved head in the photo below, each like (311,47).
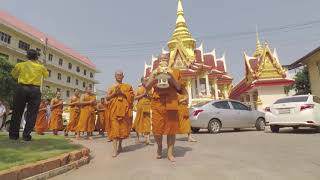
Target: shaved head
(120,72)
(119,76)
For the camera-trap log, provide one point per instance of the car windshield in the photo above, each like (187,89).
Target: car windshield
(292,99)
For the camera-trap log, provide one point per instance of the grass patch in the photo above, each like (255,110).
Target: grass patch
(14,153)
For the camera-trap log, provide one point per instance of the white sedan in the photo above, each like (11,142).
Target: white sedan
(295,112)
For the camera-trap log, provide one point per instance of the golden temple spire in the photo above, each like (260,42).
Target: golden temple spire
(259,49)
(181,32)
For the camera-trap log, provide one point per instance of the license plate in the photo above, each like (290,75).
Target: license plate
(284,111)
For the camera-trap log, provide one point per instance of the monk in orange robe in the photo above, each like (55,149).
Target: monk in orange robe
(56,122)
(74,112)
(87,113)
(142,122)
(120,97)
(185,124)
(42,123)
(164,106)
(100,123)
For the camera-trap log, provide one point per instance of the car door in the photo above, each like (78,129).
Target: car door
(223,111)
(244,116)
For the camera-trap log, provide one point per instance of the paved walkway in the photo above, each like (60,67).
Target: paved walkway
(229,155)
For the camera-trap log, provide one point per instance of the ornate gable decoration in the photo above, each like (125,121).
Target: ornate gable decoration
(180,54)
(269,66)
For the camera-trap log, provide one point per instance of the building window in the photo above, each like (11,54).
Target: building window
(68,79)
(58,90)
(78,69)
(84,72)
(19,60)
(60,62)
(59,76)
(68,93)
(70,66)
(5,37)
(50,57)
(49,71)
(90,85)
(91,74)
(77,82)
(24,45)
(4,57)
(84,84)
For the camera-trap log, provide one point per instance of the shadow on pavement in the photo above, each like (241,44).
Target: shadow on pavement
(179,151)
(296,131)
(227,131)
(133,147)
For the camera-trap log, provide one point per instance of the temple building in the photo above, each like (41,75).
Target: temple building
(205,74)
(265,79)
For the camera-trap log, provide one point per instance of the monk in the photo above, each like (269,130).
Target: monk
(142,123)
(42,123)
(120,97)
(184,121)
(164,107)
(74,113)
(100,124)
(87,113)
(56,123)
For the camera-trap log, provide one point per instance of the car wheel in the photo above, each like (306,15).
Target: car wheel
(195,130)
(260,124)
(214,126)
(274,129)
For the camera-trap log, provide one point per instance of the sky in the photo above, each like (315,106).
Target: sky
(123,34)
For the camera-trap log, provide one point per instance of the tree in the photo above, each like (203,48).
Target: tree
(302,83)
(7,82)
(47,93)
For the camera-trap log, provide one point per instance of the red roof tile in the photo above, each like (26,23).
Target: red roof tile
(198,56)
(209,60)
(220,66)
(22,26)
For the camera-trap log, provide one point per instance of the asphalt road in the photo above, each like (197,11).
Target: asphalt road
(247,155)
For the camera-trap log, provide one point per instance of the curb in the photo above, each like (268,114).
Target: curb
(61,170)
(48,168)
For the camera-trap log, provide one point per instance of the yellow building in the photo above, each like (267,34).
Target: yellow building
(205,74)
(265,79)
(67,68)
(312,61)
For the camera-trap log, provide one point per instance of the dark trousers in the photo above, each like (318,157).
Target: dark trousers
(25,95)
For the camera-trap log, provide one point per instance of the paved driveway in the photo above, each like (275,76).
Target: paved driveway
(247,155)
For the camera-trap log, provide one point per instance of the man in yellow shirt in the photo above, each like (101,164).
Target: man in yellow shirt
(29,75)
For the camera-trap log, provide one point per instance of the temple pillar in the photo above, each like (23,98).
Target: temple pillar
(208,86)
(225,91)
(198,86)
(189,88)
(194,91)
(216,90)
(251,100)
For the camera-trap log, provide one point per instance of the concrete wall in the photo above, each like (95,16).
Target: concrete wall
(313,65)
(269,94)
